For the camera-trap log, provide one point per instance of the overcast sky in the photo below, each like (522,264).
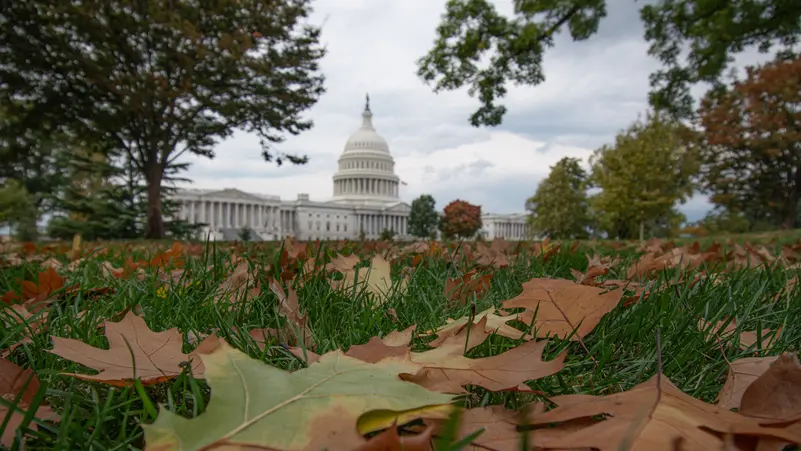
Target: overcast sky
(592,90)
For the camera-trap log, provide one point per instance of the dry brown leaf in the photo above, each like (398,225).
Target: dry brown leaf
(240,286)
(376,278)
(742,372)
(153,357)
(446,369)
(12,381)
(562,306)
(776,394)
(463,288)
(651,416)
(496,323)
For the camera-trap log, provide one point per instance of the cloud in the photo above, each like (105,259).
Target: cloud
(593,89)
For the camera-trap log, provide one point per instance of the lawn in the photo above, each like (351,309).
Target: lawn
(261,324)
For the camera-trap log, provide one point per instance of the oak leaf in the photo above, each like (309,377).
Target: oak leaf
(496,323)
(654,415)
(463,288)
(446,369)
(375,279)
(12,381)
(562,305)
(776,394)
(254,404)
(742,372)
(135,352)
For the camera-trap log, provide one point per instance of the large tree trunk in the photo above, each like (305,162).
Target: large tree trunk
(155,221)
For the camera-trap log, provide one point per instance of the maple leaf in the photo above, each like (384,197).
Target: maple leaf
(152,357)
(563,306)
(654,415)
(254,404)
(12,381)
(742,372)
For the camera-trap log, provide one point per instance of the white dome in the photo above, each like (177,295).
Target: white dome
(366,138)
(366,172)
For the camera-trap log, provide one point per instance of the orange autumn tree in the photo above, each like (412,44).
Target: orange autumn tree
(460,219)
(752,157)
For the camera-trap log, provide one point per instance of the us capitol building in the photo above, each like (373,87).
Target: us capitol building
(366,199)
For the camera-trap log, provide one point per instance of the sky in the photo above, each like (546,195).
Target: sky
(593,89)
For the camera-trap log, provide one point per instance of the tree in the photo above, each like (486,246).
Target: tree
(156,80)
(560,209)
(18,210)
(642,176)
(460,219)
(423,218)
(752,156)
(712,32)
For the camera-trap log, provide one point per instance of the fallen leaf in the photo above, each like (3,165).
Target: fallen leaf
(12,381)
(376,279)
(252,401)
(563,306)
(742,372)
(153,357)
(653,415)
(776,394)
(464,288)
(495,324)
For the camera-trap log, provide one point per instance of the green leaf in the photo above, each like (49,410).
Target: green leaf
(254,403)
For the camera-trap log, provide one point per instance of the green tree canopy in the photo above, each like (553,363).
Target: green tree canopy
(642,176)
(18,210)
(478,47)
(752,156)
(155,80)
(423,218)
(560,208)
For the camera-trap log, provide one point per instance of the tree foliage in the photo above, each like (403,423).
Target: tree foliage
(155,80)
(650,168)
(460,219)
(560,208)
(752,156)
(713,31)
(18,210)
(423,218)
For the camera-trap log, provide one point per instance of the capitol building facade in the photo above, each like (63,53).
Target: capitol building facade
(366,200)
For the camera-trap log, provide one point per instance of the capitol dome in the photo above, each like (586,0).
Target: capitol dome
(366,173)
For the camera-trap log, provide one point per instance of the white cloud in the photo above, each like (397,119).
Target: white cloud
(592,90)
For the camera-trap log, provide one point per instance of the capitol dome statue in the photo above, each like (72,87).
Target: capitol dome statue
(366,170)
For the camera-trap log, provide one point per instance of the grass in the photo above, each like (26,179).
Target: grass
(622,348)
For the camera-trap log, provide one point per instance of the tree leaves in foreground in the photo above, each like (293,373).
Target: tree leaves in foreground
(330,404)
(135,352)
(155,80)
(635,197)
(752,156)
(559,208)
(478,47)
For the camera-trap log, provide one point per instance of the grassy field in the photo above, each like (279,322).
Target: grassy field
(655,325)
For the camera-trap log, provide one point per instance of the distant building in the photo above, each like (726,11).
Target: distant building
(366,198)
